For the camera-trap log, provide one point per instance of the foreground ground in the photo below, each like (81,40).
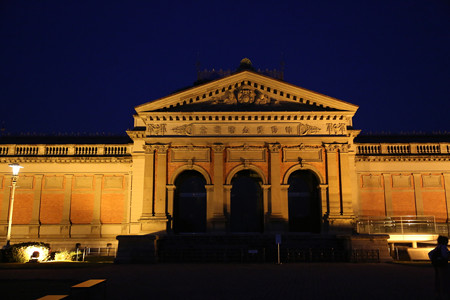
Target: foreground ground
(225,281)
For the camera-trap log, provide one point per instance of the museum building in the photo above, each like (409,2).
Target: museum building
(244,153)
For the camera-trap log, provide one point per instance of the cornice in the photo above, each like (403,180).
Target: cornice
(136,134)
(402,158)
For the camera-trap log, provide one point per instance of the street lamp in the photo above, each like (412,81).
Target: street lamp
(15,175)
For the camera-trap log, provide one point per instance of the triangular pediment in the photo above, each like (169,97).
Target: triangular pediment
(246,91)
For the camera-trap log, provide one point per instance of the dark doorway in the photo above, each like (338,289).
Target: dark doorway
(189,207)
(247,211)
(304,202)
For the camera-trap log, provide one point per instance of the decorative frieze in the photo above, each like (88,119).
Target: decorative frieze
(239,128)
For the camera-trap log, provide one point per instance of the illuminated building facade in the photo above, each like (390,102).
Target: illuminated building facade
(243,153)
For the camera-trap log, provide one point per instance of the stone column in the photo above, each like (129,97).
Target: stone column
(156,173)
(334,199)
(284,199)
(346,182)
(323,197)
(209,203)
(35,223)
(339,220)
(227,206)
(170,198)
(159,208)
(218,202)
(96,217)
(325,209)
(266,202)
(149,173)
(418,193)
(275,181)
(388,194)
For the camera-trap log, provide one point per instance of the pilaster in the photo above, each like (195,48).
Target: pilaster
(388,194)
(159,208)
(149,173)
(155,175)
(275,181)
(227,206)
(65,222)
(218,201)
(447,193)
(345,181)
(418,194)
(34,223)
(334,199)
(96,222)
(5,205)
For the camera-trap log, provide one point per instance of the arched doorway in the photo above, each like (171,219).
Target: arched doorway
(246,203)
(304,202)
(189,207)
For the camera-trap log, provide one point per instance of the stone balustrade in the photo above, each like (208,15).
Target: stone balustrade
(402,148)
(65,150)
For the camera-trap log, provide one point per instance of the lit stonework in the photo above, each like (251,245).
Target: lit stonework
(192,155)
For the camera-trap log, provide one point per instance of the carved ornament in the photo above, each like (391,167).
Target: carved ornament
(245,94)
(308,129)
(156,129)
(275,147)
(183,129)
(218,147)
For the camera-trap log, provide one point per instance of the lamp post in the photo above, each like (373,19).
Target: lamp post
(15,175)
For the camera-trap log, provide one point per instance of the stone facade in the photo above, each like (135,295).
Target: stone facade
(295,150)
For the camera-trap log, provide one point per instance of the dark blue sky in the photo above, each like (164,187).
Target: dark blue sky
(82,66)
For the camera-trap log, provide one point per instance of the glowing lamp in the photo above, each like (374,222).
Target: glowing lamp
(15,169)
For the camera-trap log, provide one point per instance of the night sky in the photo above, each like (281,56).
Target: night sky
(82,66)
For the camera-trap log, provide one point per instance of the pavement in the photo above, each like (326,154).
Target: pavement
(231,281)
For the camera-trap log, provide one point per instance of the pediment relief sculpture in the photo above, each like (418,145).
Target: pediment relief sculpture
(244,94)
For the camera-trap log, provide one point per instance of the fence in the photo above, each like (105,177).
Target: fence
(82,253)
(397,225)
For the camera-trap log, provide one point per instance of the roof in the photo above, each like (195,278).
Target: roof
(246,87)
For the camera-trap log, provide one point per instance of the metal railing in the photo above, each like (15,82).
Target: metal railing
(397,225)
